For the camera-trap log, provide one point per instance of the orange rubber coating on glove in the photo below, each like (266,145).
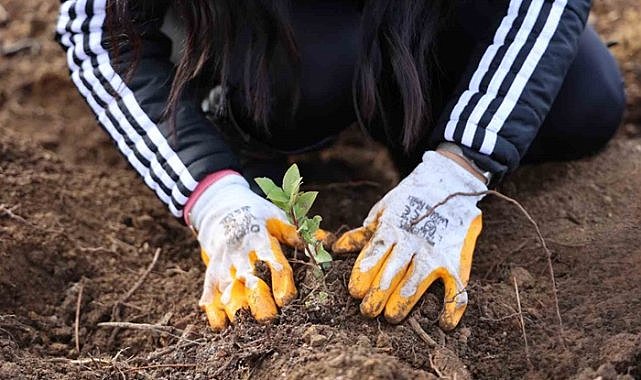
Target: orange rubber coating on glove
(237,300)
(260,302)
(467,252)
(361,282)
(283,232)
(376,299)
(215,313)
(398,306)
(288,235)
(283,285)
(205,257)
(260,299)
(452,313)
(354,240)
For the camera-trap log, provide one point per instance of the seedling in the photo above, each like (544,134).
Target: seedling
(296,205)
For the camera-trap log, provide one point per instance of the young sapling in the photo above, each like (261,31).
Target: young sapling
(296,205)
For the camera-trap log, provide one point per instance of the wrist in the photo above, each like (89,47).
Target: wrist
(204,193)
(455,153)
(450,175)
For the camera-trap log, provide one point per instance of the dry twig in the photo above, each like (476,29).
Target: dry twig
(518,303)
(536,228)
(435,368)
(9,212)
(141,280)
(421,333)
(77,322)
(141,326)
(9,49)
(115,311)
(153,366)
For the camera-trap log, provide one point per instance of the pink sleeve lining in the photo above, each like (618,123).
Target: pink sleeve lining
(202,186)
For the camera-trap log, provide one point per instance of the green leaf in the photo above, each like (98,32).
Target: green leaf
(292,181)
(304,202)
(273,192)
(303,225)
(322,256)
(314,223)
(278,197)
(266,185)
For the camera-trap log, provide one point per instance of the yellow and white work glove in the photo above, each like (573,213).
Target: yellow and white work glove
(236,228)
(400,259)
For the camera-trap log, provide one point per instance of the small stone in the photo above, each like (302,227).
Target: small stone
(317,340)
(523,278)
(363,341)
(464,334)
(338,361)
(447,362)
(607,372)
(58,348)
(309,332)
(622,351)
(585,374)
(383,341)
(313,337)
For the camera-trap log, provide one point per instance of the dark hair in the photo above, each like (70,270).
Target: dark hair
(397,54)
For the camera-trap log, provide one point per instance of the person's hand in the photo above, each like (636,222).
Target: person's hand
(404,252)
(236,228)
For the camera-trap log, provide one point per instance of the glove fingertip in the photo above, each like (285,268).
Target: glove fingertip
(449,321)
(285,296)
(453,312)
(325,237)
(352,241)
(216,317)
(395,316)
(357,288)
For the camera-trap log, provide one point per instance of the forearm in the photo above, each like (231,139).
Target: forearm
(170,159)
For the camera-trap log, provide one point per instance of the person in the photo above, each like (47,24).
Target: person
(203,96)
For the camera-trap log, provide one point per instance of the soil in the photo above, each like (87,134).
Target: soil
(75,221)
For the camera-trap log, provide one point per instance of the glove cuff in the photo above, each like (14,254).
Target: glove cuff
(451,176)
(212,187)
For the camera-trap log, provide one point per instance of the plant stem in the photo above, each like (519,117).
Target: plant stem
(305,244)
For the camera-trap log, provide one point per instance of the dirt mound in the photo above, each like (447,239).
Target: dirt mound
(78,230)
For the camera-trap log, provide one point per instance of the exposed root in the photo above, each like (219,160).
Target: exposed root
(421,333)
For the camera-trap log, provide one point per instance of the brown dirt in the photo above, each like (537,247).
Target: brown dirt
(72,216)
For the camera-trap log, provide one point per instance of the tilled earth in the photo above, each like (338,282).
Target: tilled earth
(78,230)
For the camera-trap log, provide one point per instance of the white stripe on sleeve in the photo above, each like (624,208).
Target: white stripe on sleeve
(74,41)
(483,67)
(513,51)
(523,76)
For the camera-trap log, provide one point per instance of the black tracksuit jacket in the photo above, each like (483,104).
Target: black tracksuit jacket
(513,58)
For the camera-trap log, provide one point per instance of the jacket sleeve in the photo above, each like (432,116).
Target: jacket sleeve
(171,161)
(512,81)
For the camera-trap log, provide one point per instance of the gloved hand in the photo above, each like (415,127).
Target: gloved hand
(400,260)
(236,228)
